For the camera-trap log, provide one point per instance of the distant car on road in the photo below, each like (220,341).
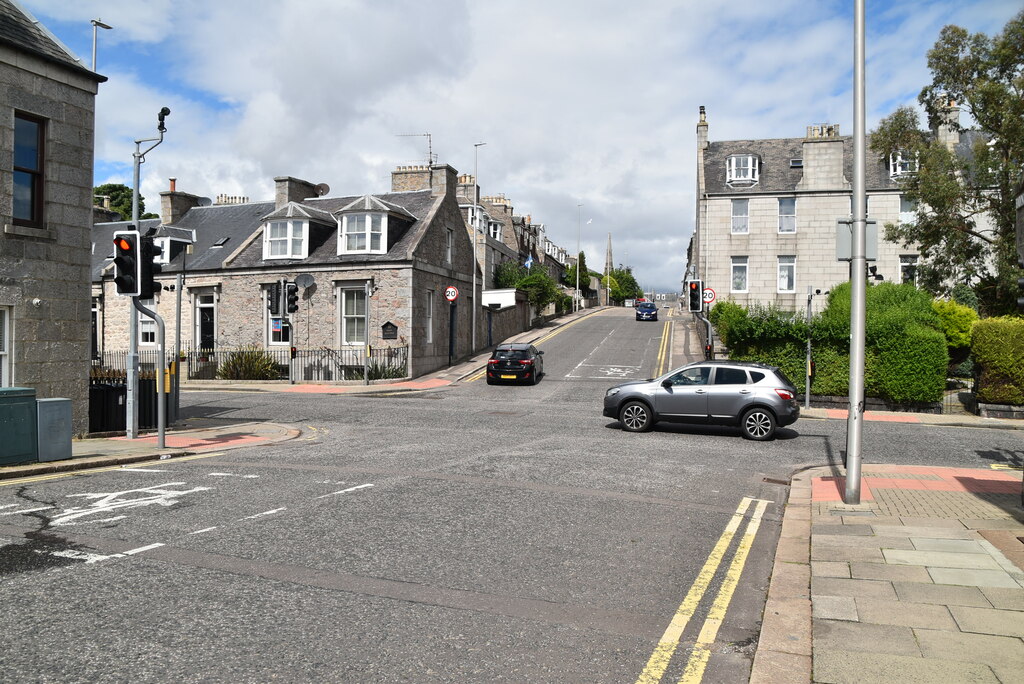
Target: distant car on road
(515,362)
(755,397)
(646,311)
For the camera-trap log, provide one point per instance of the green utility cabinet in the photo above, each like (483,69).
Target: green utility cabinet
(18,425)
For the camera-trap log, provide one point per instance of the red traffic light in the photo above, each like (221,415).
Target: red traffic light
(123,243)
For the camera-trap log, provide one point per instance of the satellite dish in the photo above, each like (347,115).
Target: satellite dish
(304,280)
(205,201)
(322,189)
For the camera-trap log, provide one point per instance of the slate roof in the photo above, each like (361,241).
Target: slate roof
(296,210)
(238,222)
(776,175)
(371,203)
(22,31)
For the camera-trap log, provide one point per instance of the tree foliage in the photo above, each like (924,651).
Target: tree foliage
(983,75)
(570,273)
(624,285)
(121,200)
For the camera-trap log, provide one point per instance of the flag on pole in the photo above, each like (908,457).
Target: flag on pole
(529,261)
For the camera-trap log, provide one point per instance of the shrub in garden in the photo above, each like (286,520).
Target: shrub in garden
(955,322)
(248,363)
(997,345)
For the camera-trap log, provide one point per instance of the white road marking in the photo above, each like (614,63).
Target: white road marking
(141,549)
(111,501)
(345,491)
(207,529)
(250,477)
(28,510)
(129,469)
(76,555)
(258,515)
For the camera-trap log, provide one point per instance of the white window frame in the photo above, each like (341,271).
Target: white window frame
(908,261)
(199,303)
(345,315)
(908,210)
(370,227)
(786,274)
(740,264)
(293,244)
(146,325)
(494,228)
(901,164)
(450,242)
(787,221)
(429,316)
(743,168)
(6,375)
(745,224)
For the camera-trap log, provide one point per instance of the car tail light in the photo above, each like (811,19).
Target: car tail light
(526,362)
(784,393)
(492,362)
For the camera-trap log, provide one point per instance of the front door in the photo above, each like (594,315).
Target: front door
(686,395)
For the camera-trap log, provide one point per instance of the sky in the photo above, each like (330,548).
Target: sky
(588,108)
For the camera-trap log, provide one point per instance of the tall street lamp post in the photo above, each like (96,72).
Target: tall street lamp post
(579,237)
(476,241)
(96,23)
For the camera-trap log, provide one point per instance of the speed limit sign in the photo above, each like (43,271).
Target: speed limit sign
(451,293)
(709,295)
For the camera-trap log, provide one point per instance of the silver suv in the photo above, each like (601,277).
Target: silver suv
(753,396)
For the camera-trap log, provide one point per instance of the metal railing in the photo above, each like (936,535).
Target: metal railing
(308,365)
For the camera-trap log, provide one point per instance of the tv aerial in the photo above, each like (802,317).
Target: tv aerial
(431,157)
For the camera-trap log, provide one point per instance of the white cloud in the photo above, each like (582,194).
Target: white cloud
(578,101)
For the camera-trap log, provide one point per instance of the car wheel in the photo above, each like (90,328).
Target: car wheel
(536,377)
(635,416)
(758,424)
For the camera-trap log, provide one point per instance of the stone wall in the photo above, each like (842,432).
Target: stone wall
(44,272)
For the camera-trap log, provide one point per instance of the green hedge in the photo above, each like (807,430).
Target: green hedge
(906,355)
(997,345)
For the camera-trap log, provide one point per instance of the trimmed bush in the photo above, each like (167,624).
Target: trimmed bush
(997,345)
(248,363)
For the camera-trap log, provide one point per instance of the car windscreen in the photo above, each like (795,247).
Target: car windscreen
(647,306)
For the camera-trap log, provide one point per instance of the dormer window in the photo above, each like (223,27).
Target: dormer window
(285,240)
(495,229)
(743,168)
(902,163)
(363,233)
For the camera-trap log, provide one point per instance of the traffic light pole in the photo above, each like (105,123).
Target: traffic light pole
(161,365)
(132,374)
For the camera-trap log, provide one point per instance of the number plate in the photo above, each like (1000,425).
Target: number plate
(508,377)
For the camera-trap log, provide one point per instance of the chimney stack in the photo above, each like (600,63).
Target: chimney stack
(288,189)
(174,204)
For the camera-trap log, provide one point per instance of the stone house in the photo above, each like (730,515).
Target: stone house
(767,214)
(47,113)
(387,258)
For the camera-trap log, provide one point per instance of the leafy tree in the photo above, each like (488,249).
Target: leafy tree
(508,273)
(570,273)
(540,289)
(121,200)
(983,74)
(628,287)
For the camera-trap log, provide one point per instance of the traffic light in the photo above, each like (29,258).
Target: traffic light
(695,295)
(292,298)
(149,251)
(274,299)
(127,263)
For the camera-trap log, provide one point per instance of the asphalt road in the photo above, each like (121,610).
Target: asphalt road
(471,534)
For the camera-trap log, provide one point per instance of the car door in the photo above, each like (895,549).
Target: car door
(683,397)
(728,394)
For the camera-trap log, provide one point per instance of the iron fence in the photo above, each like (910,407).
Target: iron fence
(308,365)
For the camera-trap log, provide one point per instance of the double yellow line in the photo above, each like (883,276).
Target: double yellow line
(663,652)
(664,350)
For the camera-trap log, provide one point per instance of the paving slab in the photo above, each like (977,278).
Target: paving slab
(903,613)
(856,588)
(853,667)
(791,580)
(844,529)
(1007,599)
(948,545)
(997,524)
(883,571)
(786,627)
(862,542)
(939,559)
(973,578)
(941,594)
(922,531)
(772,667)
(989,621)
(1005,655)
(844,553)
(834,608)
(830,569)
(860,636)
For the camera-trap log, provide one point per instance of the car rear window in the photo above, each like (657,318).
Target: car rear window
(511,354)
(756,376)
(783,378)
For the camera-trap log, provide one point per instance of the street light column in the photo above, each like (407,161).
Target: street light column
(476,242)
(579,237)
(96,23)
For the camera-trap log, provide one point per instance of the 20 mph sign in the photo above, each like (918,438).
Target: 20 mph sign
(451,293)
(709,295)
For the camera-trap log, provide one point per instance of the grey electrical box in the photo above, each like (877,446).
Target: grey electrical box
(844,240)
(17,425)
(53,421)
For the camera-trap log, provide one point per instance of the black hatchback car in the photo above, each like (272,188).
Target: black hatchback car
(646,311)
(516,362)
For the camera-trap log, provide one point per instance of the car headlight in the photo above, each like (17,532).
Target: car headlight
(612,392)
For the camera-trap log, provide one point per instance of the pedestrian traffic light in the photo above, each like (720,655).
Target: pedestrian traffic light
(695,295)
(293,297)
(127,263)
(274,298)
(149,251)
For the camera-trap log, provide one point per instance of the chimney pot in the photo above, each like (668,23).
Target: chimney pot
(174,183)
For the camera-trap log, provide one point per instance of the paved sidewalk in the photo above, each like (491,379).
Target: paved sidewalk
(923,581)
